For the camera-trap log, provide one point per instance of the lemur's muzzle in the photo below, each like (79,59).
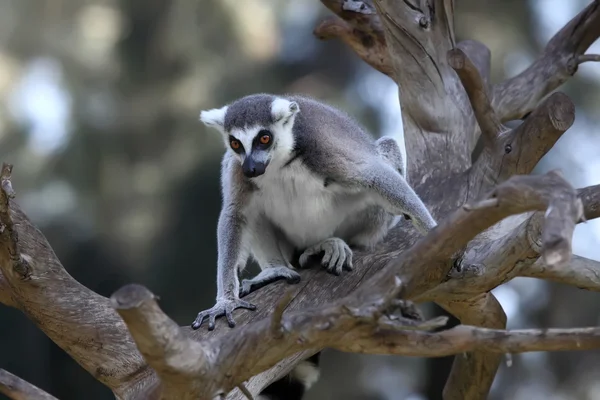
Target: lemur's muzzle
(252,169)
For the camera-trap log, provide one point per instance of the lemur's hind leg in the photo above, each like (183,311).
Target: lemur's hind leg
(273,254)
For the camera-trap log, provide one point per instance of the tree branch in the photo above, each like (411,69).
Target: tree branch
(357,25)
(531,140)
(588,58)
(174,356)
(518,151)
(464,338)
(590,197)
(16,388)
(477,92)
(517,96)
(366,329)
(472,374)
(78,320)
(582,273)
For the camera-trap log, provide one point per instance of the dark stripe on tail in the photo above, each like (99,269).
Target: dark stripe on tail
(290,387)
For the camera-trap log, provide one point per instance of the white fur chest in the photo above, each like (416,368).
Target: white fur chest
(301,205)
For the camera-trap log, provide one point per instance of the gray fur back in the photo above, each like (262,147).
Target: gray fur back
(326,136)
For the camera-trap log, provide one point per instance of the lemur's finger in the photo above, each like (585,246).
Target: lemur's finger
(325,261)
(337,255)
(211,321)
(348,265)
(199,319)
(230,320)
(245,304)
(311,251)
(339,265)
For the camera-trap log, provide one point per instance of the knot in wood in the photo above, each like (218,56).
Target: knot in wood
(463,270)
(572,65)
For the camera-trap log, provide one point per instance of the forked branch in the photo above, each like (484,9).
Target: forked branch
(517,96)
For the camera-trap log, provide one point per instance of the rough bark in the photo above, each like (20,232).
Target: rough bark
(495,223)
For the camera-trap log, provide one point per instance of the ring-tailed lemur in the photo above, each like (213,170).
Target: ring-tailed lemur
(300,176)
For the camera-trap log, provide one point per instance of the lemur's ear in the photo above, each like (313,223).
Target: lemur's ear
(283,109)
(214,118)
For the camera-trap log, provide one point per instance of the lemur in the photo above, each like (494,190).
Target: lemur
(300,177)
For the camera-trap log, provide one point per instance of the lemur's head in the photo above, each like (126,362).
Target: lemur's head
(257,128)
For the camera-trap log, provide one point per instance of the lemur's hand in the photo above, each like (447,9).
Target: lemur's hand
(223,307)
(337,255)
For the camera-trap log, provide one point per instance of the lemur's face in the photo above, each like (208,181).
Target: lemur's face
(257,129)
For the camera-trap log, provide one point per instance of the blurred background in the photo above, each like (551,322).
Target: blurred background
(99,115)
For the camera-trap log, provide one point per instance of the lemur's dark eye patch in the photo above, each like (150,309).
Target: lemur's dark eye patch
(263,138)
(235,144)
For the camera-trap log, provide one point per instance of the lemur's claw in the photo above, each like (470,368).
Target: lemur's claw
(337,255)
(223,307)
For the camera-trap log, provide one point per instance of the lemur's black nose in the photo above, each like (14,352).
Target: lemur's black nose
(253,169)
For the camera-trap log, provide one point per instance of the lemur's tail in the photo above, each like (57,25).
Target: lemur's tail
(296,383)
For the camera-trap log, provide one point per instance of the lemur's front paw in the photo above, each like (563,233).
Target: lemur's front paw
(223,307)
(337,255)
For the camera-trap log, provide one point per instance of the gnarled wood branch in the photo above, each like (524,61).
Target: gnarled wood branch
(516,97)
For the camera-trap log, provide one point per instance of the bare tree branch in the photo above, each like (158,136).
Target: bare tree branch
(357,25)
(476,90)
(362,330)
(174,356)
(582,273)
(516,97)
(519,150)
(590,197)
(78,320)
(465,338)
(479,366)
(531,140)
(588,58)
(16,388)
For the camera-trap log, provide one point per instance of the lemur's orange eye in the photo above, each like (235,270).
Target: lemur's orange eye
(265,139)
(235,144)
